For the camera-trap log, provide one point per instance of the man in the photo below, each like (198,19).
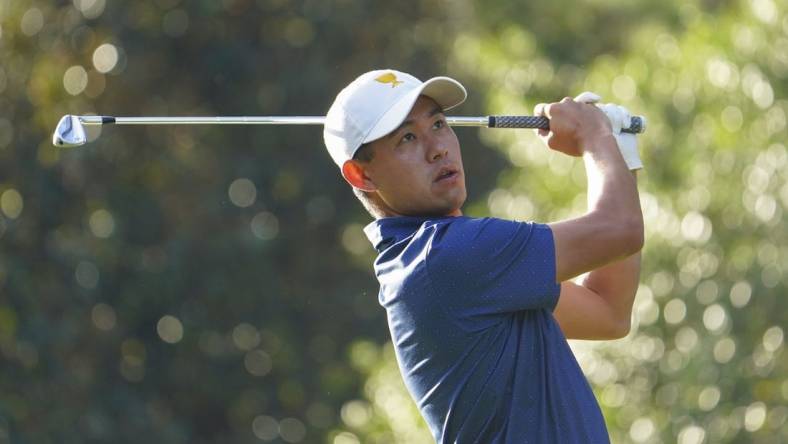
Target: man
(480,309)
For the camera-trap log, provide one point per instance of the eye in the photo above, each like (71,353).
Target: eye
(407,138)
(439,124)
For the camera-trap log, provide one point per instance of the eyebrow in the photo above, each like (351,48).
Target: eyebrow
(436,110)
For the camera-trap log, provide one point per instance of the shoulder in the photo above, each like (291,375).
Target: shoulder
(467,232)
(463,241)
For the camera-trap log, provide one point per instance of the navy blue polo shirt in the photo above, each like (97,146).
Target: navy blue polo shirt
(469,305)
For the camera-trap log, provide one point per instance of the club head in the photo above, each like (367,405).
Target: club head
(69,132)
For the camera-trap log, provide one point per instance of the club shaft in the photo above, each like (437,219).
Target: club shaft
(637,125)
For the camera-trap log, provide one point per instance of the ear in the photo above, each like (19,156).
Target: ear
(355,174)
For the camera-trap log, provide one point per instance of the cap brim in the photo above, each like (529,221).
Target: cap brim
(445,91)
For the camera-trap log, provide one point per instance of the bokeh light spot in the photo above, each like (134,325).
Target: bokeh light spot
(642,429)
(132,366)
(675,311)
(265,225)
(732,118)
(292,430)
(102,224)
(32,22)
(707,292)
(354,240)
(75,80)
(724,350)
(722,73)
(648,312)
(686,339)
(265,428)
(773,339)
(763,94)
(242,192)
(346,438)
(356,413)
(11,203)
(709,398)
(87,275)
(258,363)
(692,434)
(90,9)
(765,10)
(614,395)
(756,178)
(714,317)
(765,207)
(755,416)
(170,329)
(245,336)
(103,316)
(684,99)
(105,58)
(740,294)
(696,227)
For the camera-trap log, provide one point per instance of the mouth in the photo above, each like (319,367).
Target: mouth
(446,173)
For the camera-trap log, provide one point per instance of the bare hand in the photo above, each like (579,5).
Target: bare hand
(573,125)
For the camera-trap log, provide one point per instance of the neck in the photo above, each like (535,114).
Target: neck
(455,213)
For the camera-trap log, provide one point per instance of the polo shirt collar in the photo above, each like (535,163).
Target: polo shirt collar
(389,230)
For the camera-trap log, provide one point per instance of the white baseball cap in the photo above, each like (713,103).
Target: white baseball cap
(376,103)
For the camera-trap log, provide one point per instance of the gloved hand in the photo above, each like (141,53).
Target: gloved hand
(619,119)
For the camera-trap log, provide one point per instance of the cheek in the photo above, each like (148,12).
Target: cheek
(451,141)
(394,175)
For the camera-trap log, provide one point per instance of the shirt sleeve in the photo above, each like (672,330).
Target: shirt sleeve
(493,266)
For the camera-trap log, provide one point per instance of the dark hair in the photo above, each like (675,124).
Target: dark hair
(365,154)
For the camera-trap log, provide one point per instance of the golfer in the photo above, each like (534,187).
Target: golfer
(480,310)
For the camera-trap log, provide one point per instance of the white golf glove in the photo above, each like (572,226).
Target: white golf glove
(619,119)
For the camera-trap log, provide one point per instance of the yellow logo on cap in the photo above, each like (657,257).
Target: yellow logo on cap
(389,77)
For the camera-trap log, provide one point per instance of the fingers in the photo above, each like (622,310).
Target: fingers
(542,109)
(588,97)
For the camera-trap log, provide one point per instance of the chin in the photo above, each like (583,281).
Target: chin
(453,210)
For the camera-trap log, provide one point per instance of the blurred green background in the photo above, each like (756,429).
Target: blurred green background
(213,284)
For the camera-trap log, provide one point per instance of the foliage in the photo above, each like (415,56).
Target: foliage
(213,283)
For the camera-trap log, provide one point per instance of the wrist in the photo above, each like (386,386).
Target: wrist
(602,140)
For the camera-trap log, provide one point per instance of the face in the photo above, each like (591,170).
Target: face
(417,169)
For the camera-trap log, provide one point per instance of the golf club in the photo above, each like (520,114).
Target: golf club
(70,131)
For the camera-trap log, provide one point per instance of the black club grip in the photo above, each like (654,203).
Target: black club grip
(636,125)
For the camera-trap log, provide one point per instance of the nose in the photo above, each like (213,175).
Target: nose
(436,150)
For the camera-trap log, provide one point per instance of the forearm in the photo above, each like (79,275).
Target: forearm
(612,228)
(612,188)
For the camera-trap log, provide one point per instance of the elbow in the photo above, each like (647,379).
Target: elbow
(607,331)
(620,329)
(633,236)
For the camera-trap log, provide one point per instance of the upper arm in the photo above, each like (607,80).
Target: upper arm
(591,241)
(583,314)
(493,266)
